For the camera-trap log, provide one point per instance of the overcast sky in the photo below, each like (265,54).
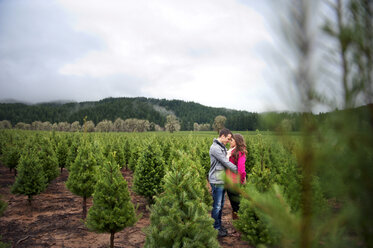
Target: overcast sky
(213,52)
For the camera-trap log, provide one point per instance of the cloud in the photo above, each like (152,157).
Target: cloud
(36,39)
(202,51)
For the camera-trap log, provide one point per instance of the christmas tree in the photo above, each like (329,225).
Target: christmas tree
(82,174)
(72,150)
(48,159)
(149,172)
(134,156)
(30,180)
(112,208)
(61,152)
(126,152)
(179,218)
(11,153)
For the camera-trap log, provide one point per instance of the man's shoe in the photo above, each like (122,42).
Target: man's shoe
(222,233)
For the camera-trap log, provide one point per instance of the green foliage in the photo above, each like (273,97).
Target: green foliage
(153,110)
(62,152)
(254,229)
(273,164)
(112,209)
(114,146)
(272,216)
(202,150)
(166,148)
(179,218)
(251,156)
(344,158)
(149,171)
(30,180)
(195,152)
(11,154)
(127,152)
(136,151)
(72,151)
(82,173)
(47,158)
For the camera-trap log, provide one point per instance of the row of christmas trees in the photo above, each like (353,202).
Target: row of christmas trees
(94,173)
(165,169)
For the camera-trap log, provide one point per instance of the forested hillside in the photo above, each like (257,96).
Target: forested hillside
(153,110)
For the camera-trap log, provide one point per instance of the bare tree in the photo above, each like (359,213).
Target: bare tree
(75,126)
(172,124)
(219,123)
(5,124)
(105,126)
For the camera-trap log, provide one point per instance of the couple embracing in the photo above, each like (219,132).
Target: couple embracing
(232,163)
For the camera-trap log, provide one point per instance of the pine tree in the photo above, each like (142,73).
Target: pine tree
(61,153)
(48,159)
(204,156)
(134,156)
(112,208)
(30,180)
(166,148)
(179,218)
(11,154)
(82,174)
(113,145)
(73,150)
(149,172)
(127,152)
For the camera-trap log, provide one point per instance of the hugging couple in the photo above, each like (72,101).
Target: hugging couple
(232,163)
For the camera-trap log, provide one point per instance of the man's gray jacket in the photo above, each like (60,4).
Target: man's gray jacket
(219,162)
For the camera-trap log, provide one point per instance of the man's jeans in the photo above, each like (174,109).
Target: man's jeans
(218,193)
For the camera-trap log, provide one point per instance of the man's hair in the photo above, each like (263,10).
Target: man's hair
(225,132)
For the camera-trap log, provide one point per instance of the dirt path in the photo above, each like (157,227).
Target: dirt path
(54,220)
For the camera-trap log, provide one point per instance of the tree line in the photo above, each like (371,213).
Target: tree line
(141,108)
(144,114)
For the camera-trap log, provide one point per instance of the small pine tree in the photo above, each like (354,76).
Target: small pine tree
(11,155)
(127,152)
(204,156)
(82,175)
(61,153)
(112,208)
(72,151)
(166,148)
(179,218)
(149,172)
(134,156)
(116,147)
(48,159)
(30,180)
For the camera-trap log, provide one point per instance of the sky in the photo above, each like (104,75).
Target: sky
(213,52)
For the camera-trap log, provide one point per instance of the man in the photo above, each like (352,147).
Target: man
(219,163)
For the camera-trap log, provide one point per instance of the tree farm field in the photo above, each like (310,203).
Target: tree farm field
(53,217)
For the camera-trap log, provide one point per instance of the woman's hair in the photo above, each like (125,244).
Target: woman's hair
(240,146)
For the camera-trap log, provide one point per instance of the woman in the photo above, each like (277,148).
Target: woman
(237,155)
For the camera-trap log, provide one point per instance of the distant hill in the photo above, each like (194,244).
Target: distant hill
(154,110)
